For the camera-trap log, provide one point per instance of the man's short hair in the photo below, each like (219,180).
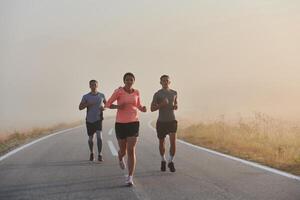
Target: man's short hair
(164,76)
(93,81)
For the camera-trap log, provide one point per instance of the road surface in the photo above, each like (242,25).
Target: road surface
(58,168)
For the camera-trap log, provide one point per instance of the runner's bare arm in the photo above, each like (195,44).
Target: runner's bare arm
(175,106)
(83,103)
(154,107)
(102,107)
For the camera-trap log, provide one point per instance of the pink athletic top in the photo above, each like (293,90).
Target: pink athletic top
(132,102)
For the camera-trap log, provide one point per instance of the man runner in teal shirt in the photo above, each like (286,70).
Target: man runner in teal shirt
(94,103)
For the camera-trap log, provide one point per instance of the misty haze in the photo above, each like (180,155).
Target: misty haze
(228,58)
(145,99)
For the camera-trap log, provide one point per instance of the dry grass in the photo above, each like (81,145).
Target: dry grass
(9,141)
(262,139)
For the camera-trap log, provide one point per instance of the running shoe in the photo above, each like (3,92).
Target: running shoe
(171,167)
(163,166)
(129,181)
(100,159)
(91,157)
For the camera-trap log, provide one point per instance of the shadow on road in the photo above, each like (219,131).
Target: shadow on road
(57,188)
(76,163)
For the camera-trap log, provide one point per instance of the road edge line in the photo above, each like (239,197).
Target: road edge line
(250,163)
(12,152)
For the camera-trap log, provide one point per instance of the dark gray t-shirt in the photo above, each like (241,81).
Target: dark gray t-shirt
(93,112)
(166,113)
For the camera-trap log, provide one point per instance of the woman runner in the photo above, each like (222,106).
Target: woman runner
(127,122)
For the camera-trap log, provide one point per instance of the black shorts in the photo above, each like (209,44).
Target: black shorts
(93,127)
(165,128)
(124,130)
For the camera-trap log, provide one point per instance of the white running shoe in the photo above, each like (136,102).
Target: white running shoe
(129,181)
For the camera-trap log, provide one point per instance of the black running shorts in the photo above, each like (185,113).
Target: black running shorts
(93,127)
(124,130)
(165,128)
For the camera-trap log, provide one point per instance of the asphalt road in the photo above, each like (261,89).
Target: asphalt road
(58,168)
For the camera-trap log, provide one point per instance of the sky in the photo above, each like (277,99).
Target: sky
(232,57)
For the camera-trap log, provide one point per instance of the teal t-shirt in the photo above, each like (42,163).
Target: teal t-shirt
(94,112)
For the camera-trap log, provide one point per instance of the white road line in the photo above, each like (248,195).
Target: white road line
(35,141)
(150,126)
(112,148)
(275,171)
(253,164)
(111,131)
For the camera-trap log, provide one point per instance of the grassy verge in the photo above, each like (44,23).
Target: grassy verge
(10,141)
(262,139)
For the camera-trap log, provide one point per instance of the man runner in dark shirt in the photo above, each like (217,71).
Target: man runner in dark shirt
(165,100)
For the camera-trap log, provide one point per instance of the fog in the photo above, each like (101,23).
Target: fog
(224,57)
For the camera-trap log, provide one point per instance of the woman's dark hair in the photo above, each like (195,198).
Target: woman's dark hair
(128,74)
